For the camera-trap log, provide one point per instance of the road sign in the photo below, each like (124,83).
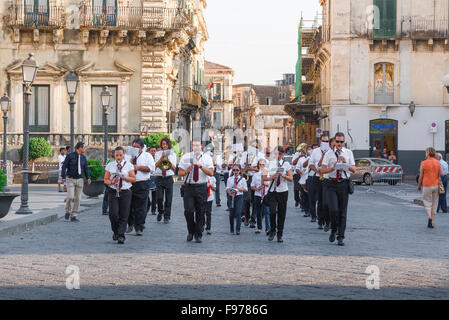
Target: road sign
(319,132)
(433,127)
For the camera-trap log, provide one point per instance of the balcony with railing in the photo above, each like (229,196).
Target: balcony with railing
(33,16)
(428,28)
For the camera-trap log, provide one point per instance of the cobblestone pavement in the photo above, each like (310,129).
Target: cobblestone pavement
(383,230)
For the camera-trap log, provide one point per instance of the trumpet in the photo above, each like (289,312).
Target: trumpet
(165,164)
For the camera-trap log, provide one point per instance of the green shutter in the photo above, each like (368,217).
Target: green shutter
(387,11)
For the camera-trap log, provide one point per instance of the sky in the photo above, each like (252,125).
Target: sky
(256,38)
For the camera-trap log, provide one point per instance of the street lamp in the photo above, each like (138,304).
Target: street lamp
(29,70)
(71,82)
(446,82)
(5,103)
(105,101)
(412,108)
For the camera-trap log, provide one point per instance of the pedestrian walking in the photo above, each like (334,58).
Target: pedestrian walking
(236,186)
(75,164)
(442,200)
(260,190)
(429,179)
(302,171)
(211,190)
(280,172)
(338,163)
(296,176)
(105,204)
(165,170)
(119,176)
(61,158)
(196,167)
(143,166)
(217,175)
(152,197)
(226,160)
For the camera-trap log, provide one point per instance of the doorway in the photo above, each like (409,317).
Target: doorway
(383,134)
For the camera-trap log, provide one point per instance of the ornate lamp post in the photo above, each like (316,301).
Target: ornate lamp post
(105,101)
(29,70)
(71,82)
(5,103)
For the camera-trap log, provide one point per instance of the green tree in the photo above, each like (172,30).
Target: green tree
(39,147)
(2,180)
(155,140)
(96,169)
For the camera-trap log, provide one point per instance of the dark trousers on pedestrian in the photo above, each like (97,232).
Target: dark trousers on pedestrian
(138,213)
(304,200)
(278,211)
(296,189)
(248,199)
(235,214)
(152,201)
(442,202)
(324,216)
(164,189)
(119,209)
(318,196)
(195,199)
(217,192)
(337,197)
(208,214)
(105,201)
(262,212)
(313,196)
(228,197)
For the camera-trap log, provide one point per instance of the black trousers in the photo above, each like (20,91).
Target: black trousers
(304,199)
(312,196)
(208,215)
(278,211)
(228,197)
(318,194)
(195,199)
(248,202)
(152,202)
(297,189)
(164,190)
(337,197)
(119,209)
(138,213)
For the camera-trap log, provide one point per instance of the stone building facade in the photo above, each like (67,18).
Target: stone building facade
(376,71)
(150,53)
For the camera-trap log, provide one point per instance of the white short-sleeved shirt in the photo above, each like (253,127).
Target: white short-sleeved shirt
(256,157)
(315,157)
(305,171)
(330,159)
(241,184)
(61,159)
(203,159)
(296,156)
(145,160)
(212,182)
(272,169)
(113,170)
(257,182)
(171,158)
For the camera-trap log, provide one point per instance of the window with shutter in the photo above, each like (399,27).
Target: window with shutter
(39,113)
(104,12)
(387,19)
(98,113)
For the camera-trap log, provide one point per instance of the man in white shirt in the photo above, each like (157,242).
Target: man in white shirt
(248,162)
(61,158)
(442,202)
(303,173)
(143,166)
(279,174)
(338,165)
(224,163)
(197,167)
(315,183)
(164,180)
(296,176)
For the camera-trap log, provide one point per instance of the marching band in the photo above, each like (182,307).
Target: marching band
(252,179)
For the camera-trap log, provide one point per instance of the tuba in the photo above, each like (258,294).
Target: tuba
(165,164)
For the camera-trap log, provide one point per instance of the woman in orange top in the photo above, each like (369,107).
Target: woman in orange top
(429,178)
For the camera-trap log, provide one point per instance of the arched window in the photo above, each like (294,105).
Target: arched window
(383,83)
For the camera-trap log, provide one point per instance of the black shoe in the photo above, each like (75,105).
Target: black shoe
(237,233)
(258,231)
(153,213)
(306,215)
(429,223)
(208,232)
(67,216)
(332,237)
(228,209)
(280,239)
(271,237)
(74,219)
(159,217)
(139,233)
(340,242)
(267,233)
(243,219)
(190,237)
(198,239)
(218,205)
(121,240)
(313,220)
(115,237)
(296,204)
(326,228)
(252,225)
(105,213)
(320,227)
(166,221)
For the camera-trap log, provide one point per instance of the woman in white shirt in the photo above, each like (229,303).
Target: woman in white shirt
(260,190)
(211,189)
(236,186)
(119,177)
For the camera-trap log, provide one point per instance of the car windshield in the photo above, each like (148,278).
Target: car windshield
(381,161)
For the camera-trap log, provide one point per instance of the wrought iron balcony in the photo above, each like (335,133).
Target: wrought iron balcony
(134,18)
(428,28)
(31,16)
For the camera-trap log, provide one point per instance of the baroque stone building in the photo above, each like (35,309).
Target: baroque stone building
(150,53)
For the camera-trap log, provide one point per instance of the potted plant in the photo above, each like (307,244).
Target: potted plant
(6,199)
(39,148)
(96,172)
(155,140)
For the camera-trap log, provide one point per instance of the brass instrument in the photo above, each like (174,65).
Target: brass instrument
(302,148)
(165,164)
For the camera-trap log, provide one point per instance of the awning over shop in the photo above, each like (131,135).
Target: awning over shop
(297,110)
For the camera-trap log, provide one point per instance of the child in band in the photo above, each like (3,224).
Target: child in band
(236,186)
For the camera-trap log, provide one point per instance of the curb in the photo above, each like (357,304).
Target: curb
(41,218)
